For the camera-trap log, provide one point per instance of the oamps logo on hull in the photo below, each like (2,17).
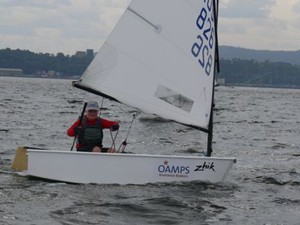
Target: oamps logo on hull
(173,170)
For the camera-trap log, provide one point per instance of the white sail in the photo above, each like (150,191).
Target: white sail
(159,58)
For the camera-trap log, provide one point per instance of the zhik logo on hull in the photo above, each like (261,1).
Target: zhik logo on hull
(206,166)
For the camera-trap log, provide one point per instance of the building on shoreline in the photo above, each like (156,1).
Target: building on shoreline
(11,72)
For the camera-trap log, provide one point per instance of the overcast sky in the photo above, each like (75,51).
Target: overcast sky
(69,25)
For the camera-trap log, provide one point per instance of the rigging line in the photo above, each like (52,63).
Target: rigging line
(111,135)
(101,107)
(113,139)
(124,143)
(156,27)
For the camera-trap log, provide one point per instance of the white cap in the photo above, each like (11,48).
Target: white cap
(92,105)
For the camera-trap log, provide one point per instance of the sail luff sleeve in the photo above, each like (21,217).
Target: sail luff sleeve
(216,12)
(216,69)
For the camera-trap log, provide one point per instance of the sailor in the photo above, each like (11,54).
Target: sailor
(89,132)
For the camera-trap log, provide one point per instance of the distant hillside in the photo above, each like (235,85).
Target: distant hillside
(292,57)
(239,67)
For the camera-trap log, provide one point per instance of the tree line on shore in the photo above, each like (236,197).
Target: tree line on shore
(264,73)
(35,63)
(233,71)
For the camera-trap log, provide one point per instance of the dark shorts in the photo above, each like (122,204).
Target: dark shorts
(87,149)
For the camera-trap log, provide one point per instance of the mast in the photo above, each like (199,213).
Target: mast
(210,135)
(216,70)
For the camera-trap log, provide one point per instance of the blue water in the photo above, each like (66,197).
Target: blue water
(260,127)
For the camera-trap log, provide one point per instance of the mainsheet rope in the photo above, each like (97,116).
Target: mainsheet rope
(114,137)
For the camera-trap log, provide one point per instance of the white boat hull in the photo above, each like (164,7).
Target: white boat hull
(110,168)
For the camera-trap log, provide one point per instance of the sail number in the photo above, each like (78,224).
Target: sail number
(203,46)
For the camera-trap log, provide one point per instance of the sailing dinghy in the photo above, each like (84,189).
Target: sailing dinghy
(160,58)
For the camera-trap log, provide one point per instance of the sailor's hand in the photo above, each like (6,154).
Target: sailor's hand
(114,127)
(76,130)
(97,149)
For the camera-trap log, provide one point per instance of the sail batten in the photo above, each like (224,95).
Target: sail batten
(156,27)
(160,63)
